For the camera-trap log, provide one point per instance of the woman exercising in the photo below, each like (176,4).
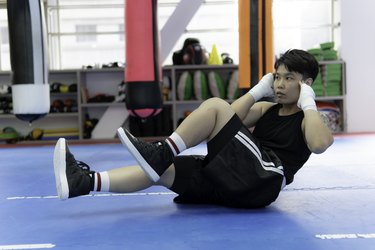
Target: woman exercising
(242,168)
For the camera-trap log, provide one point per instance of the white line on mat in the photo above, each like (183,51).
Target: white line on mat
(345,236)
(27,246)
(90,195)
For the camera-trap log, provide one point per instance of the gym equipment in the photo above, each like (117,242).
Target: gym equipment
(89,126)
(73,88)
(28,56)
(55,87)
(120,97)
(232,89)
(64,88)
(9,135)
(35,134)
(100,98)
(143,71)
(225,57)
(6,105)
(216,84)
(70,105)
(256,55)
(185,86)
(201,90)
(214,58)
(192,52)
(4,89)
(57,106)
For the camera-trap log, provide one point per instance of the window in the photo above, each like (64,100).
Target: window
(4,40)
(4,35)
(91,32)
(308,23)
(122,32)
(215,22)
(85,33)
(98,29)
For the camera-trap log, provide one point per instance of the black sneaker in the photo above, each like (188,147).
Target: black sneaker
(154,158)
(73,178)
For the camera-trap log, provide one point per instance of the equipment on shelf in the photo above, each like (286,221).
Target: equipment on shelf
(192,52)
(121,92)
(89,126)
(6,105)
(332,115)
(100,98)
(225,57)
(5,89)
(200,85)
(11,135)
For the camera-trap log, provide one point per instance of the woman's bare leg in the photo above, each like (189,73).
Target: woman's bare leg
(205,122)
(202,124)
(133,178)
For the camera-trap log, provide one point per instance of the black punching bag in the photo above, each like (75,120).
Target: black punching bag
(28,56)
(143,71)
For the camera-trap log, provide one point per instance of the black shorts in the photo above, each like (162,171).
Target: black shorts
(236,172)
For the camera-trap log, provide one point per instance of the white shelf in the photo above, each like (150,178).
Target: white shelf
(7,116)
(63,114)
(102,104)
(329,98)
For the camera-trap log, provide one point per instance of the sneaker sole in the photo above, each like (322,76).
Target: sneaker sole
(150,172)
(59,165)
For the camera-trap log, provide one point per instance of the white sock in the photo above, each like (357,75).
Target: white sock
(101,182)
(176,143)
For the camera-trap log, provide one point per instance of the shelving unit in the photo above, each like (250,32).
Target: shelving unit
(339,100)
(106,81)
(52,120)
(175,72)
(96,81)
(180,106)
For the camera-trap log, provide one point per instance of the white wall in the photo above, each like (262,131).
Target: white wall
(358,50)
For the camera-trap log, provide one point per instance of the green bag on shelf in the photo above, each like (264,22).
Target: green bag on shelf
(200,85)
(315,51)
(185,86)
(329,55)
(333,67)
(333,88)
(216,84)
(327,45)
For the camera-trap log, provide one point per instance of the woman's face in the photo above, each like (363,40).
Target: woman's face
(286,86)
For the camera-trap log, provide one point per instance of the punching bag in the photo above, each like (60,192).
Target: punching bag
(28,56)
(143,71)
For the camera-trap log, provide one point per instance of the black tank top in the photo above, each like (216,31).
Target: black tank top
(283,135)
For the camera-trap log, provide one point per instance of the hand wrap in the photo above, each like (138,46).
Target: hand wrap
(263,88)
(306,99)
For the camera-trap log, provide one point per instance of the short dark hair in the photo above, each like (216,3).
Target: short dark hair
(299,61)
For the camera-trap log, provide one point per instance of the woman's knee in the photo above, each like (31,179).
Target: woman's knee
(222,112)
(216,103)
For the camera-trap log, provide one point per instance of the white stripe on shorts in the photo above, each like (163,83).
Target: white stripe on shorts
(269,166)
